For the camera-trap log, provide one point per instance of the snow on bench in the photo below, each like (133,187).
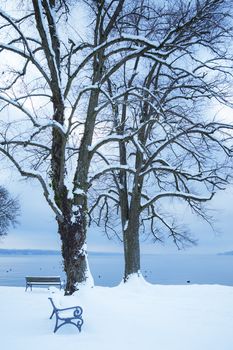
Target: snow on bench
(43,281)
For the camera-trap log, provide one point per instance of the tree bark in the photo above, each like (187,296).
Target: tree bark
(131,237)
(73,237)
(131,251)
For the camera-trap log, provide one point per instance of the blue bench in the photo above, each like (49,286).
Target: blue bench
(71,315)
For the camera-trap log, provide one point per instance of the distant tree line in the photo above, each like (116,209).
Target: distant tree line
(9,211)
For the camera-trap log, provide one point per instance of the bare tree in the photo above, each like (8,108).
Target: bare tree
(55,98)
(170,145)
(9,211)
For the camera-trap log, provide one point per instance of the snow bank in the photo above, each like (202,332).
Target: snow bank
(131,316)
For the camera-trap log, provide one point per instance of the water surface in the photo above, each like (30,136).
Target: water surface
(107,269)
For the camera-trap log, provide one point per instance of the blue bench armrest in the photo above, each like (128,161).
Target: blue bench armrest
(75,319)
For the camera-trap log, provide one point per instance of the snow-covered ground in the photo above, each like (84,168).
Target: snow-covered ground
(132,316)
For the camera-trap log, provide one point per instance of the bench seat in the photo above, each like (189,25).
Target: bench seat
(43,281)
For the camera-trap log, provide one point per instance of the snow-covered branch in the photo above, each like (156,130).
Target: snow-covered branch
(182,195)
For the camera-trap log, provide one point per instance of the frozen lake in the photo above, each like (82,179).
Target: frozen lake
(107,269)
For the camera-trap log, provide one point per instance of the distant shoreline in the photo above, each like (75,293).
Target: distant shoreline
(7,252)
(28,252)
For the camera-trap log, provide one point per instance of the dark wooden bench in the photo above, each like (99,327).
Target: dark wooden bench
(69,315)
(43,281)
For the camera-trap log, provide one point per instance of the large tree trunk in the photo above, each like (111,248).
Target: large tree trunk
(74,257)
(131,252)
(71,225)
(73,237)
(131,240)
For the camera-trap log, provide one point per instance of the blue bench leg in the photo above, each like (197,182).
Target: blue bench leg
(78,324)
(52,314)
